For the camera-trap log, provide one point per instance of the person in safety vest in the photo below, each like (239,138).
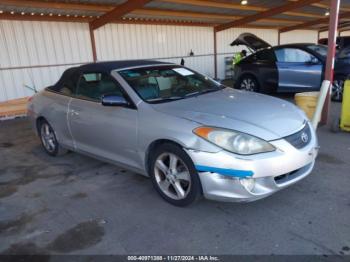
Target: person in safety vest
(238,57)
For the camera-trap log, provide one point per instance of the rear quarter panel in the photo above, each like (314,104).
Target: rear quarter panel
(264,71)
(53,107)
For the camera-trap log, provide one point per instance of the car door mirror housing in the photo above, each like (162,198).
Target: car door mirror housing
(114,100)
(314,61)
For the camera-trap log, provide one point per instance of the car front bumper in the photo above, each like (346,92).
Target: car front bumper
(229,177)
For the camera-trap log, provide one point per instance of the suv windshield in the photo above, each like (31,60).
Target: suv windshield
(167,83)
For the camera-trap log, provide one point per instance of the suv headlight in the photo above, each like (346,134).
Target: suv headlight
(234,141)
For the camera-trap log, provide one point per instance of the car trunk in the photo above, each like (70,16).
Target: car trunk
(253,42)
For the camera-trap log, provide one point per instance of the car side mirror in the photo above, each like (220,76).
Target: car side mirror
(313,61)
(114,100)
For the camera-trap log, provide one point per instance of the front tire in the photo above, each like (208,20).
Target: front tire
(174,176)
(49,140)
(248,83)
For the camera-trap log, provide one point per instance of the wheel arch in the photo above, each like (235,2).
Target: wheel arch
(340,75)
(152,147)
(159,142)
(38,121)
(250,74)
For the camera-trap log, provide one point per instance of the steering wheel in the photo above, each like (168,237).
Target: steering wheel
(179,90)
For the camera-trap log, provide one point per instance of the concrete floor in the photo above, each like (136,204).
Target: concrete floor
(77,205)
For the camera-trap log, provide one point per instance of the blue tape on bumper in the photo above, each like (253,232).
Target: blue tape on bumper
(226,172)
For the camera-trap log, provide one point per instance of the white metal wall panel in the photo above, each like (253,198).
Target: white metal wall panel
(324,34)
(225,38)
(345,33)
(161,42)
(299,36)
(25,44)
(13,82)
(202,64)
(57,46)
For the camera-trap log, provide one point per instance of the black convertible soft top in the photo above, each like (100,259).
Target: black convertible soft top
(113,65)
(102,67)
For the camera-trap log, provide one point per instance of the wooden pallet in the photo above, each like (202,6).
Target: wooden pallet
(13,108)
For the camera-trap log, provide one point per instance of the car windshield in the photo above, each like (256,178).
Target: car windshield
(168,83)
(320,49)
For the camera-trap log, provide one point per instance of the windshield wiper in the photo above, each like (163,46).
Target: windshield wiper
(202,92)
(164,99)
(193,93)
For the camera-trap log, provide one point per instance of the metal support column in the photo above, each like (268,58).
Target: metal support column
(93,43)
(215,56)
(332,36)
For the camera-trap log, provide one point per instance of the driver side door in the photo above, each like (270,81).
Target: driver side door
(108,132)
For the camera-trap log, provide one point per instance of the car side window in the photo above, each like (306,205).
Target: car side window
(293,55)
(69,86)
(345,53)
(92,86)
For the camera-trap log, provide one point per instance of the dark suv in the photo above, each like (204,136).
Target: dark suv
(287,68)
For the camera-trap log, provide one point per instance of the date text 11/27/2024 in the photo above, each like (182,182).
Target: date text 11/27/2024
(173,258)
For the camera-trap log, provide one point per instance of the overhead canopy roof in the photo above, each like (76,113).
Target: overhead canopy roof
(281,14)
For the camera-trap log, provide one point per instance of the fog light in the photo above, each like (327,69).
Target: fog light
(248,183)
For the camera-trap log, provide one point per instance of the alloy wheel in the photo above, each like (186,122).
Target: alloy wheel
(337,89)
(248,84)
(48,137)
(172,176)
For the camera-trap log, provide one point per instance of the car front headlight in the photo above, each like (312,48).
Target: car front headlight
(234,141)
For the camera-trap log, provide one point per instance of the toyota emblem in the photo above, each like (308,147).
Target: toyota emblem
(304,137)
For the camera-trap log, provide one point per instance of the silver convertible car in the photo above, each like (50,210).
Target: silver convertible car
(191,135)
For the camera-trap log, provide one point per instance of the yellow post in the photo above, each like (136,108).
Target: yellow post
(345,112)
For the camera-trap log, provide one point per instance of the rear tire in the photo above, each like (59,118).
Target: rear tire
(338,88)
(174,176)
(248,83)
(48,139)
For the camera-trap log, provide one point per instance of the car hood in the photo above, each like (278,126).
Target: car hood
(259,115)
(251,41)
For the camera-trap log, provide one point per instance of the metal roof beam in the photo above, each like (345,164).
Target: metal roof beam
(340,26)
(58,5)
(312,23)
(268,13)
(108,8)
(151,21)
(26,17)
(187,14)
(118,12)
(233,6)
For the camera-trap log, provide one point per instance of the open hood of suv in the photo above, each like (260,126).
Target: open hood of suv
(251,41)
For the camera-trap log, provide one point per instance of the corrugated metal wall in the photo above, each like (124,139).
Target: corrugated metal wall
(324,34)
(36,54)
(160,42)
(225,38)
(345,33)
(299,36)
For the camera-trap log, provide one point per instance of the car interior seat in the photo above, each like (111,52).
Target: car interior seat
(107,87)
(146,89)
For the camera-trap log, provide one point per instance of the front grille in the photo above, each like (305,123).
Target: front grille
(300,139)
(286,177)
(291,176)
